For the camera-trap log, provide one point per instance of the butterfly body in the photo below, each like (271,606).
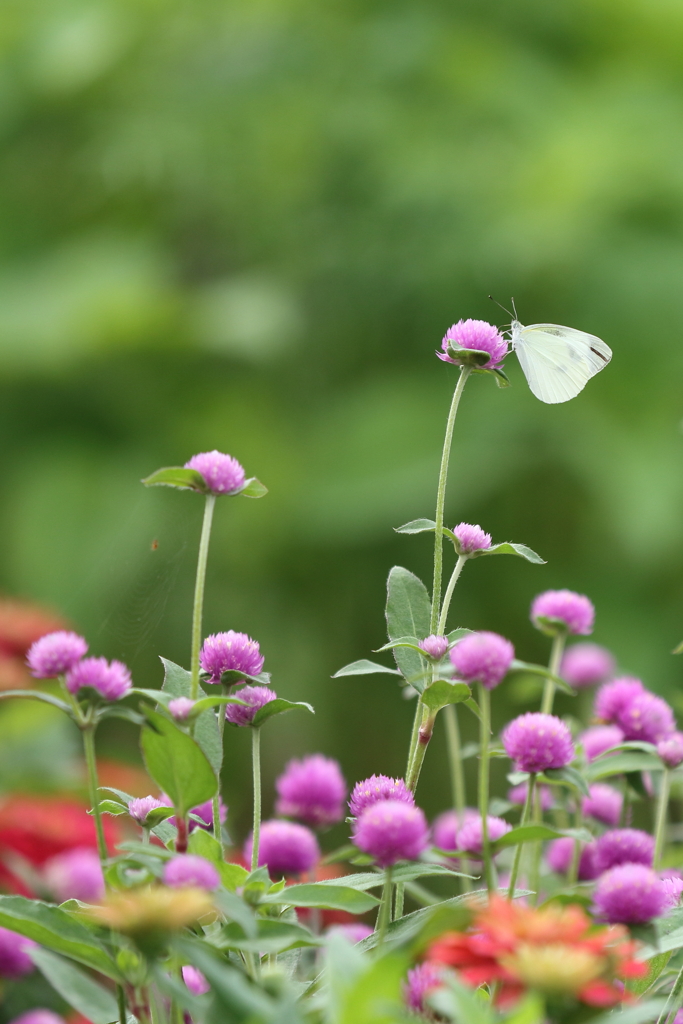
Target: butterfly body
(557,361)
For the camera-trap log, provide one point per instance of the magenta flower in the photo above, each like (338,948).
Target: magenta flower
(560,854)
(517,795)
(604,804)
(139,807)
(434,646)
(187,869)
(353,932)
(536,742)
(648,718)
(38,1016)
(445,828)
(629,894)
(482,657)
(195,981)
(624,846)
(471,538)
(285,848)
(255,697)
(222,474)
(671,749)
(470,836)
(230,652)
(378,787)
(111,679)
(613,698)
(477,335)
(563,611)
(14,958)
(600,738)
(205,812)
(587,664)
(55,653)
(75,875)
(421,982)
(313,790)
(673,887)
(391,830)
(180,708)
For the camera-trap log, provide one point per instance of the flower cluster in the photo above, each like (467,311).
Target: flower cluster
(62,654)
(638,713)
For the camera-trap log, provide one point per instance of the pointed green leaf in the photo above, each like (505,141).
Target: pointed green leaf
(178,683)
(328,897)
(417,526)
(253,488)
(569,775)
(364,668)
(233,676)
(408,613)
(277,707)
(440,693)
(213,702)
(473,707)
(273,937)
(75,987)
(403,641)
(620,764)
(112,807)
(534,833)
(46,698)
(176,762)
(177,476)
(507,548)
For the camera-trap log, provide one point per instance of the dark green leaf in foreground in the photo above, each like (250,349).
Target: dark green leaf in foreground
(278,707)
(77,988)
(177,476)
(176,762)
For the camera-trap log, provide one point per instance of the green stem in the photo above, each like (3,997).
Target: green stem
(424,735)
(536,848)
(484,734)
(526,813)
(556,652)
(217,827)
(93,790)
(674,1001)
(121,1001)
(414,735)
(576,852)
(400,897)
(458,793)
(256,766)
(660,828)
(443,618)
(385,909)
(199,593)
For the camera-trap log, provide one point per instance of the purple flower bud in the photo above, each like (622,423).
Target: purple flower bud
(313,790)
(180,708)
(478,335)
(604,804)
(391,830)
(624,846)
(517,795)
(205,812)
(378,787)
(482,657)
(285,848)
(55,653)
(671,749)
(187,869)
(572,613)
(613,698)
(14,958)
(536,742)
(139,807)
(471,538)
(222,474)
(560,854)
(231,651)
(195,981)
(600,738)
(673,887)
(38,1016)
(111,679)
(434,646)
(353,932)
(75,875)
(648,718)
(629,894)
(470,836)
(446,827)
(255,697)
(587,664)
(421,982)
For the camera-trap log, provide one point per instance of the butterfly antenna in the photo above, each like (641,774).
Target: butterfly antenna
(512,300)
(503,307)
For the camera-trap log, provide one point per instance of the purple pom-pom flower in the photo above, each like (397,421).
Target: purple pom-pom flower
(187,869)
(195,981)
(312,790)
(38,1016)
(75,875)
(230,652)
(630,894)
(378,787)
(421,982)
(587,664)
(434,646)
(139,807)
(391,830)
(647,717)
(518,794)
(254,697)
(446,827)
(55,653)
(614,698)
(536,741)
(560,854)
(604,804)
(477,335)
(600,738)
(671,750)
(470,538)
(482,657)
(471,835)
(180,708)
(624,846)
(14,957)
(560,611)
(285,848)
(222,474)
(111,679)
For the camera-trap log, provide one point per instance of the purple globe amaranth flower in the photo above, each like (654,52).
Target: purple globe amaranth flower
(75,875)
(470,836)
(560,854)
(517,795)
(671,750)
(14,958)
(421,981)
(55,653)
(604,804)
(536,741)
(230,652)
(434,646)
(567,612)
(255,697)
(624,846)
(673,887)
(222,474)
(446,827)
(285,848)
(378,787)
(38,1016)
(391,830)
(647,717)
(111,679)
(600,738)
(205,813)
(587,664)
(629,894)
(139,807)
(195,981)
(180,708)
(482,657)
(613,698)
(471,538)
(187,869)
(313,790)
(353,932)
(477,335)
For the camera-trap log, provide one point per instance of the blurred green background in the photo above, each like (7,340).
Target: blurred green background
(246,225)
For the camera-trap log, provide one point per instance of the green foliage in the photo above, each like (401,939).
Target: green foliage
(79,990)
(176,763)
(407,613)
(177,683)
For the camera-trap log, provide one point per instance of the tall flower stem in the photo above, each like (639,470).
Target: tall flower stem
(556,652)
(121,1003)
(660,827)
(526,814)
(93,789)
(424,735)
(216,806)
(256,767)
(673,1003)
(484,734)
(199,593)
(443,617)
(576,852)
(385,909)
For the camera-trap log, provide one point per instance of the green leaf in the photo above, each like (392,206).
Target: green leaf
(656,965)
(406,928)
(408,613)
(177,476)
(678,649)
(232,676)
(364,668)
(403,641)
(329,897)
(112,807)
(507,548)
(534,833)
(233,876)
(468,356)
(46,698)
(417,526)
(253,488)
(178,683)
(238,999)
(203,844)
(364,880)
(541,670)
(440,693)
(640,1013)
(78,989)
(277,707)
(473,706)
(177,763)
(212,702)
(620,764)
(457,1002)
(569,775)
(273,937)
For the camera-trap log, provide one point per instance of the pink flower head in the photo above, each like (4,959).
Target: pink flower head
(470,836)
(434,646)
(446,827)
(14,957)
(352,931)
(230,652)
(561,852)
(565,611)
(55,653)
(471,538)
(180,708)
(391,830)
(648,718)
(255,697)
(629,894)
(38,1016)
(222,474)
(673,887)
(205,812)
(624,846)
(111,679)
(604,804)
(613,698)
(285,848)
(517,795)
(139,807)
(600,738)
(313,790)
(421,982)
(477,335)
(536,742)
(585,664)
(195,981)
(187,869)
(671,749)
(378,787)
(75,875)
(482,657)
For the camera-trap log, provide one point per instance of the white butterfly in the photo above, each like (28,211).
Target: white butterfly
(558,361)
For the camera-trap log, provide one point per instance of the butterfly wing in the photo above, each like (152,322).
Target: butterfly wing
(558,361)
